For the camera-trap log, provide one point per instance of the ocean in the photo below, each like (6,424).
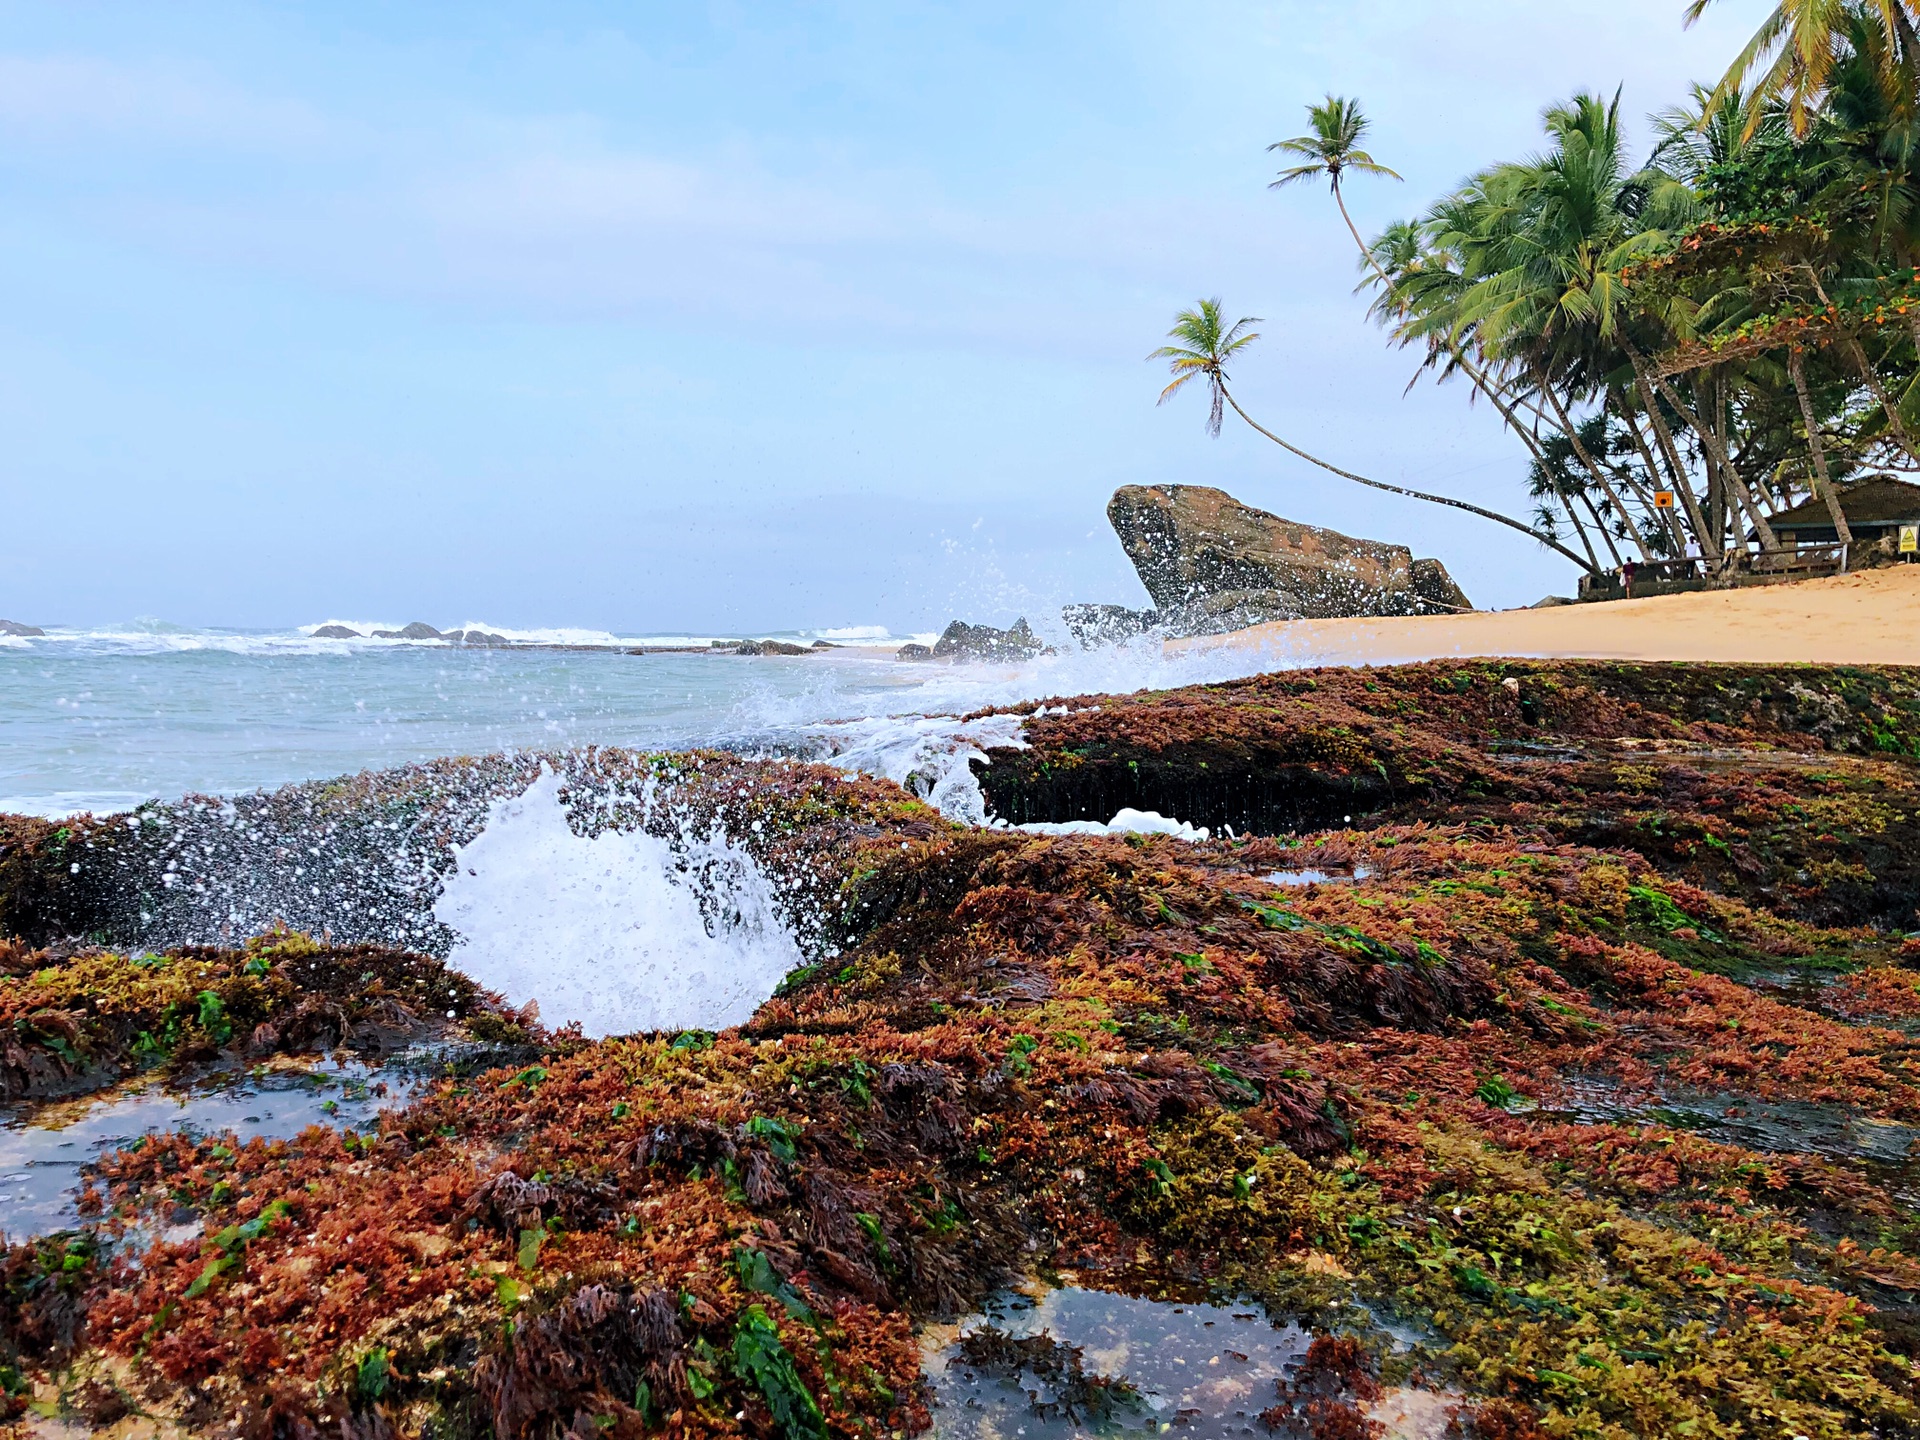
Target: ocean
(105,718)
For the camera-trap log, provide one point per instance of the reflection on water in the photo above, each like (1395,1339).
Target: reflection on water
(42,1151)
(1071,1362)
(1297,878)
(1207,1369)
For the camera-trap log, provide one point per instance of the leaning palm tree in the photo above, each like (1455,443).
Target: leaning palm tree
(1204,345)
(1801,41)
(1331,150)
(1203,352)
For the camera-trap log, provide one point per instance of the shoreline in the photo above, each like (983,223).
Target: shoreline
(1868,618)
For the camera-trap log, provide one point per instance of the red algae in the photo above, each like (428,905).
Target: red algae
(1016,1053)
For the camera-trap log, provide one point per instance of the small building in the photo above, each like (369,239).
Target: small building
(1876,506)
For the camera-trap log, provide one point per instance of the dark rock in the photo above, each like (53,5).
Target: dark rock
(1229,610)
(336,632)
(769,647)
(475,637)
(1190,543)
(1096,625)
(961,641)
(825,645)
(418,630)
(1547,602)
(1436,588)
(913,652)
(14,627)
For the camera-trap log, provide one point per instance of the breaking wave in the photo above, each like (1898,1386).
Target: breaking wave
(617,932)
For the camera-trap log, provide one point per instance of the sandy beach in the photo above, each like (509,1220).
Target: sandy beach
(1872,618)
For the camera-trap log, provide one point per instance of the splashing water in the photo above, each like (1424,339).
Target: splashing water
(621,932)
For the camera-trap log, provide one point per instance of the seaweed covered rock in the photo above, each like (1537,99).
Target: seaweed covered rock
(1617,1153)
(1793,785)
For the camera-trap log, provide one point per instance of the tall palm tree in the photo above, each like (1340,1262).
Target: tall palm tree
(1800,41)
(1331,150)
(1204,345)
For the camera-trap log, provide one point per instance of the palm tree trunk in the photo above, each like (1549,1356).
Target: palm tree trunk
(1674,527)
(1606,535)
(1580,529)
(1797,367)
(1472,509)
(1716,451)
(1593,466)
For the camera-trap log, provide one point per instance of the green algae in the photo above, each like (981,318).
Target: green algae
(1122,1057)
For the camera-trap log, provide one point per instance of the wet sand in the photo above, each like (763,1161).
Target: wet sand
(1872,618)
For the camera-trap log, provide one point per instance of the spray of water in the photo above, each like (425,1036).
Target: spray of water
(617,932)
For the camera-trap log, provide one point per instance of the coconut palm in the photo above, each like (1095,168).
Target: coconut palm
(1800,41)
(1206,343)
(1331,150)
(1204,349)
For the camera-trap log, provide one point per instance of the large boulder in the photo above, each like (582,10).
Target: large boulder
(14,627)
(1206,559)
(1228,610)
(336,632)
(961,641)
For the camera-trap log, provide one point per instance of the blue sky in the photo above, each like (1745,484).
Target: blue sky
(718,315)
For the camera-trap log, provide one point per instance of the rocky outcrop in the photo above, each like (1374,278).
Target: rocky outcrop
(1436,588)
(337,632)
(418,630)
(15,628)
(961,641)
(1094,625)
(769,647)
(1212,563)
(475,637)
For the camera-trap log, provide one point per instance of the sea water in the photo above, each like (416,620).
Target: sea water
(103,719)
(617,932)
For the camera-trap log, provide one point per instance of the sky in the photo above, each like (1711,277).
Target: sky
(722,316)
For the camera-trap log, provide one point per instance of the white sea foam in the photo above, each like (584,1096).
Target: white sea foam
(1126,822)
(620,932)
(853,632)
(928,755)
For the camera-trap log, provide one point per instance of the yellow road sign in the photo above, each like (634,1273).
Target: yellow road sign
(1909,539)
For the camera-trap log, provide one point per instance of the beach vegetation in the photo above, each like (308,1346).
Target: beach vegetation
(1685,343)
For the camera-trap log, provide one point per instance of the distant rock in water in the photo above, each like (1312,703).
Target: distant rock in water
(473,637)
(15,628)
(769,647)
(912,651)
(337,632)
(418,630)
(961,641)
(1212,563)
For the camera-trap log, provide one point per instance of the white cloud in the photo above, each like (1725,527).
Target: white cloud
(55,98)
